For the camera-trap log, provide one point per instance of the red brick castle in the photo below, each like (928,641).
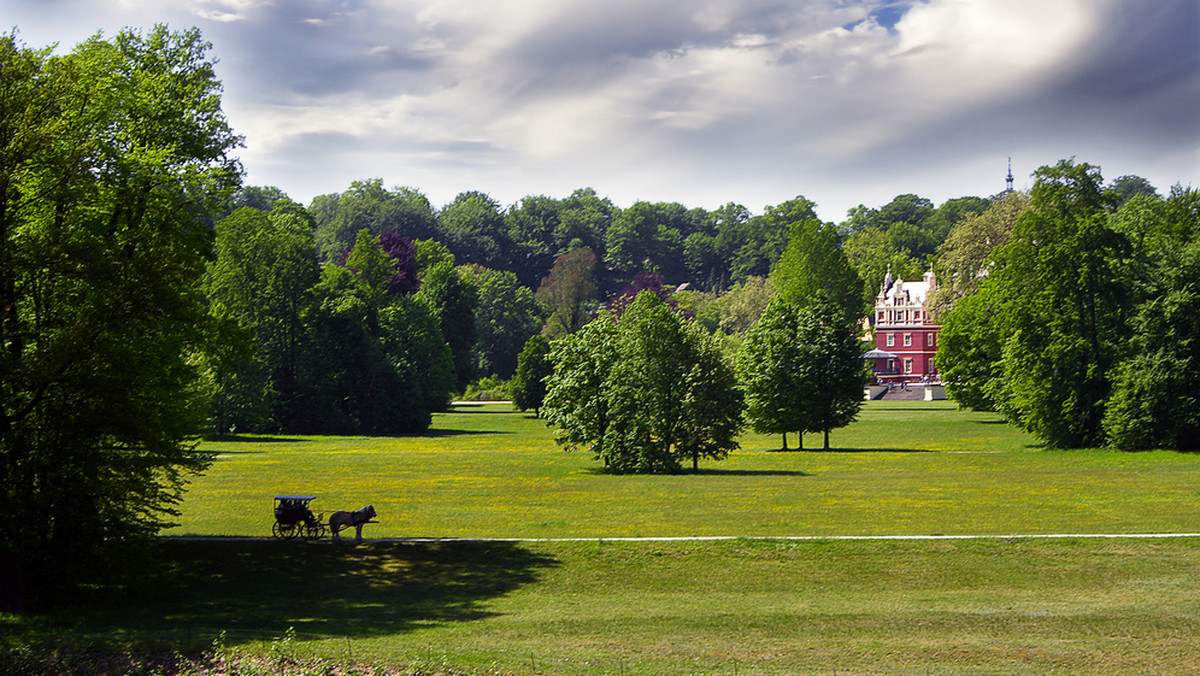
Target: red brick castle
(905,331)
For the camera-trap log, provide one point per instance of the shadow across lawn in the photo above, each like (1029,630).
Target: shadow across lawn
(241,439)
(870,450)
(320,588)
(703,471)
(434,433)
(477,407)
(906,407)
(717,471)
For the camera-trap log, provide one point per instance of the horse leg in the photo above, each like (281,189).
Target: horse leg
(358,533)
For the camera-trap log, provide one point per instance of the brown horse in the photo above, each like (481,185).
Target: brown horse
(340,520)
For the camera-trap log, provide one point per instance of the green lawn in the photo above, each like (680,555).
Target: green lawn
(904,468)
(744,606)
(736,606)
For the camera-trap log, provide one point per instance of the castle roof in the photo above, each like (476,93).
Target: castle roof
(901,292)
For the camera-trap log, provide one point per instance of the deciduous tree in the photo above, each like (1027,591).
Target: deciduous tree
(507,315)
(474,230)
(1154,402)
(647,392)
(744,304)
(801,371)
(367,205)
(839,371)
(576,400)
(567,292)
(454,297)
(963,257)
(814,270)
(413,342)
(261,279)
(775,374)
(1059,295)
(111,159)
(533,369)
(969,350)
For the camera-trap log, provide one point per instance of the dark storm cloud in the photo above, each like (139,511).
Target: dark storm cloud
(1140,50)
(1128,92)
(314,48)
(1141,70)
(597,38)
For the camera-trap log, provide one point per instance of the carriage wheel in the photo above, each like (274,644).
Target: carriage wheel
(315,531)
(285,531)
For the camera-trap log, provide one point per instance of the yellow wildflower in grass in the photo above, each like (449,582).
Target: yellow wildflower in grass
(904,468)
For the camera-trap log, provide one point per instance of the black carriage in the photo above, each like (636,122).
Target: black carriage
(293,518)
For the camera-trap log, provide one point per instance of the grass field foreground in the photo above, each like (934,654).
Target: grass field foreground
(725,607)
(737,606)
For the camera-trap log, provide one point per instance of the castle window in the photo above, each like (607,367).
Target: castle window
(907,339)
(891,340)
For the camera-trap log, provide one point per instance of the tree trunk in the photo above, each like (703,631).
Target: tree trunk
(785,441)
(800,440)
(827,440)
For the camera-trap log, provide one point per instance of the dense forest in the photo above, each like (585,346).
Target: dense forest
(368,309)
(351,302)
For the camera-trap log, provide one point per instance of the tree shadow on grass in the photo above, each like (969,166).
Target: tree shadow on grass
(870,450)
(703,471)
(905,408)
(322,589)
(240,439)
(478,407)
(217,452)
(435,433)
(711,471)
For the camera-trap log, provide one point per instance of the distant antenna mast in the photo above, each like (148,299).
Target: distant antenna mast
(1008,182)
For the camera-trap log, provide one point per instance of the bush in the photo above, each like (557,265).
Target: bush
(490,388)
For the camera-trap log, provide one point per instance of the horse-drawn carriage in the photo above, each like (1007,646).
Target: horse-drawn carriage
(293,518)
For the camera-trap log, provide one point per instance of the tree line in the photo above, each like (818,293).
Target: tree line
(1072,310)
(491,277)
(541,266)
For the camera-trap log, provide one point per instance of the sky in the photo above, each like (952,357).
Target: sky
(703,102)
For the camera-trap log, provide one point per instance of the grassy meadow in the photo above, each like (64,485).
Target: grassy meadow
(905,468)
(736,606)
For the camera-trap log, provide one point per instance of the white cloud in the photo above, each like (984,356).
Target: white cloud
(745,100)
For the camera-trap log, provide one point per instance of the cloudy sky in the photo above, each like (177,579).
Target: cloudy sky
(702,102)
